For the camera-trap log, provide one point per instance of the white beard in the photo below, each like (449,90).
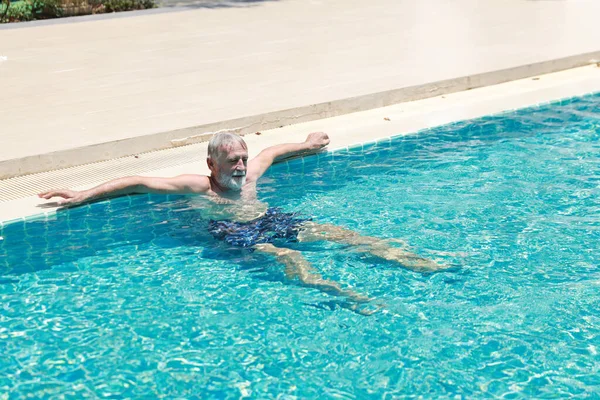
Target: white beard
(235,183)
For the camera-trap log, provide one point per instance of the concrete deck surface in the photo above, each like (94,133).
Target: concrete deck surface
(17,195)
(75,85)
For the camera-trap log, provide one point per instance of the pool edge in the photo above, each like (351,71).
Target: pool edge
(246,125)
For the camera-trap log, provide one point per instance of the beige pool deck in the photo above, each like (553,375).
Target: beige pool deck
(100,91)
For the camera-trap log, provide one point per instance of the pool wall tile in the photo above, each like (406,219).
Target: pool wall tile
(370,146)
(14,221)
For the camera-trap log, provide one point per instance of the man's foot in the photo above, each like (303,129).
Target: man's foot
(407,259)
(296,266)
(360,309)
(366,244)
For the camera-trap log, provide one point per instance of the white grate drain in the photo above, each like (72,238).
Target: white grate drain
(89,174)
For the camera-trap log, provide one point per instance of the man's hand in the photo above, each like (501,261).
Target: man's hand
(317,140)
(258,165)
(69,197)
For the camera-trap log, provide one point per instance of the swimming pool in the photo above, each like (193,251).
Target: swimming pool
(132,297)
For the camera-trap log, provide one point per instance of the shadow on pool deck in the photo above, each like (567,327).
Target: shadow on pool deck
(164,6)
(210,3)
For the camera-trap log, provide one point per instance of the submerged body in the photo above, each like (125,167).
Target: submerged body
(238,218)
(272,225)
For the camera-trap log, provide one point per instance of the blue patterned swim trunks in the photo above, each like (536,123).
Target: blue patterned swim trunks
(275,224)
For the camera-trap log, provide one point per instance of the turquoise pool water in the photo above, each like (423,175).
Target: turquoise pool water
(133,298)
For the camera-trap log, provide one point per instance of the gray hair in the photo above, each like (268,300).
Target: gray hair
(223,139)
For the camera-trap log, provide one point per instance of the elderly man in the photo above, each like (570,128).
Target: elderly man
(245,222)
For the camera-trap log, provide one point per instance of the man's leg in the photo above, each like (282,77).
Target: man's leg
(296,266)
(312,232)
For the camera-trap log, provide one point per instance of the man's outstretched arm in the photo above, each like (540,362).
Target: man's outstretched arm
(258,165)
(181,184)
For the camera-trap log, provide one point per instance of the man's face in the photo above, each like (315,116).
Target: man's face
(229,168)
